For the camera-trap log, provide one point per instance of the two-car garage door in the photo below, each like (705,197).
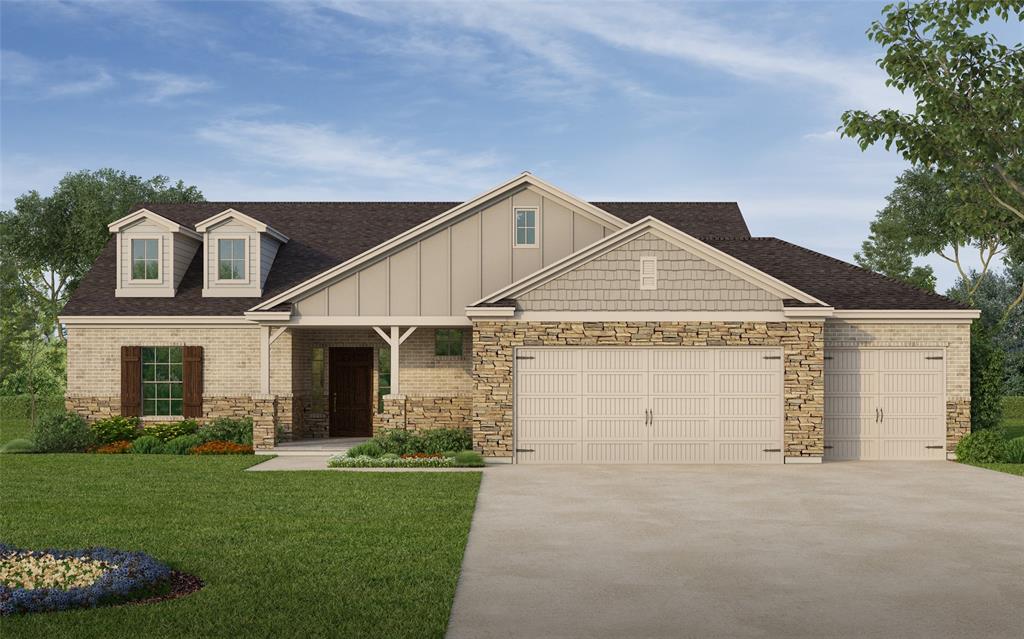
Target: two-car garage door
(648,405)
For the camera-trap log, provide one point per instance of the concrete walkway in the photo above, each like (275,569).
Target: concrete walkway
(885,550)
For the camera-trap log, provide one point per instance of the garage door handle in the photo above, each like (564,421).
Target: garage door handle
(525,450)
(771,450)
(934,446)
(881,411)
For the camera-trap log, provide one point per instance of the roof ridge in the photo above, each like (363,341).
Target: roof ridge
(296,202)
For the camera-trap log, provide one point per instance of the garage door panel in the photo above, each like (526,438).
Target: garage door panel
(747,406)
(549,383)
(549,453)
(748,452)
(549,406)
(665,407)
(851,449)
(656,405)
(613,382)
(614,429)
(614,453)
(760,430)
(851,427)
(749,359)
(850,383)
(550,429)
(663,430)
(898,414)
(747,383)
(681,383)
(689,359)
(682,453)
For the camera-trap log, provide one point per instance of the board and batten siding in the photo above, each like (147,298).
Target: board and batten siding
(685,282)
(442,273)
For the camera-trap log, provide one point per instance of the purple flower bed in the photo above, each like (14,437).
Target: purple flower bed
(135,575)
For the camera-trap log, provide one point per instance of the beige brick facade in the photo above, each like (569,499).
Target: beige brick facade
(954,338)
(803,354)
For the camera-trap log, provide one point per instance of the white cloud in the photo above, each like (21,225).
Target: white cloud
(830,135)
(562,37)
(341,155)
(35,78)
(160,86)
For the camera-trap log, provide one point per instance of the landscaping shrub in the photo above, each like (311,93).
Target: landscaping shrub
(370,449)
(18,446)
(469,459)
(20,406)
(147,445)
(1015,451)
(114,448)
(181,445)
(228,430)
(114,429)
(986,446)
(170,430)
(398,441)
(987,378)
(440,440)
(62,433)
(89,577)
(389,461)
(221,448)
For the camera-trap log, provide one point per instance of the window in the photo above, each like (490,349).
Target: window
(526,227)
(231,259)
(145,259)
(448,342)
(161,380)
(648,273)
(383,376)
(319,405)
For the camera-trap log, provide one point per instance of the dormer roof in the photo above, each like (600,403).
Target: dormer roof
(145,214)
(238,216)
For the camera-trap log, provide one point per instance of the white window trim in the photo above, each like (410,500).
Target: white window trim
(536,226)
(216,261)
(160,266)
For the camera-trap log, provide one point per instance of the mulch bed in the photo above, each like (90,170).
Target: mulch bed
(182,584)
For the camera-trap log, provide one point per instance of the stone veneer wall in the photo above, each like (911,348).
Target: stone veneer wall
(955,338)
(803,359)
(424,413)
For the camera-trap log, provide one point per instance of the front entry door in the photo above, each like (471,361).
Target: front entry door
(351,392)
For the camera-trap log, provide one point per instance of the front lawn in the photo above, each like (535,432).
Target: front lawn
(290,554)
(1013,469)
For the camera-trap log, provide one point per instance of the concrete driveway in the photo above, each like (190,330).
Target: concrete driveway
(931,549)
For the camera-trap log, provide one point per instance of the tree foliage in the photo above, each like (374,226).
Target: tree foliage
(51,241)
(968,122)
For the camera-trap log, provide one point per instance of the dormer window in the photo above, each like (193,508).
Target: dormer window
(526,227)
(231,260)
(146,259)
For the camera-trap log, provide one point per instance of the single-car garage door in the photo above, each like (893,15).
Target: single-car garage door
(648,405)
(885,404)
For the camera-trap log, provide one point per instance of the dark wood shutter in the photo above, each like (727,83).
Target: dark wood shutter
(192,378)
(131,381)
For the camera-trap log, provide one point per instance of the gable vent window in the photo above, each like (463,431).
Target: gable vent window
(526,227)
(648,273)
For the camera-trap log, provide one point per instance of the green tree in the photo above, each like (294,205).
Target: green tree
(51,241)
(926,215)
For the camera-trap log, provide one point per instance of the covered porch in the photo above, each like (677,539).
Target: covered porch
(327,384)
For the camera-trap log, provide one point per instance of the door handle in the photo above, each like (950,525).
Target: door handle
(876,415)
(881,411)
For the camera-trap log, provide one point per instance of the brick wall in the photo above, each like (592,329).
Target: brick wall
(803,354)
(611,282)
(954,338)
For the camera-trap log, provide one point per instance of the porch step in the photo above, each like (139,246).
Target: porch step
(314,447)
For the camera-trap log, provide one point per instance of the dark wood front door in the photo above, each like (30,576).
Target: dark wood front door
(351,392)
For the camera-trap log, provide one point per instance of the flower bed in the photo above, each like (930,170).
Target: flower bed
(220,448)
(46,580)
(390,461)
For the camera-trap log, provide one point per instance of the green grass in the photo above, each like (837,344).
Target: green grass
(1013,469)
(283,554)
(1013,426)
(14,428)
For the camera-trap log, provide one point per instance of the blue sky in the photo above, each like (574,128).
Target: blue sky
(377,101)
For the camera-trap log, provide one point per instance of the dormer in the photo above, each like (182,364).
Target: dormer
(153,254)
(238,252)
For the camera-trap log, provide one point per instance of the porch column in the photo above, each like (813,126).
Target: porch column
(267,337)
(394,341)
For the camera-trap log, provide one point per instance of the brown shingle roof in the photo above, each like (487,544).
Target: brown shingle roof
(325,234)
